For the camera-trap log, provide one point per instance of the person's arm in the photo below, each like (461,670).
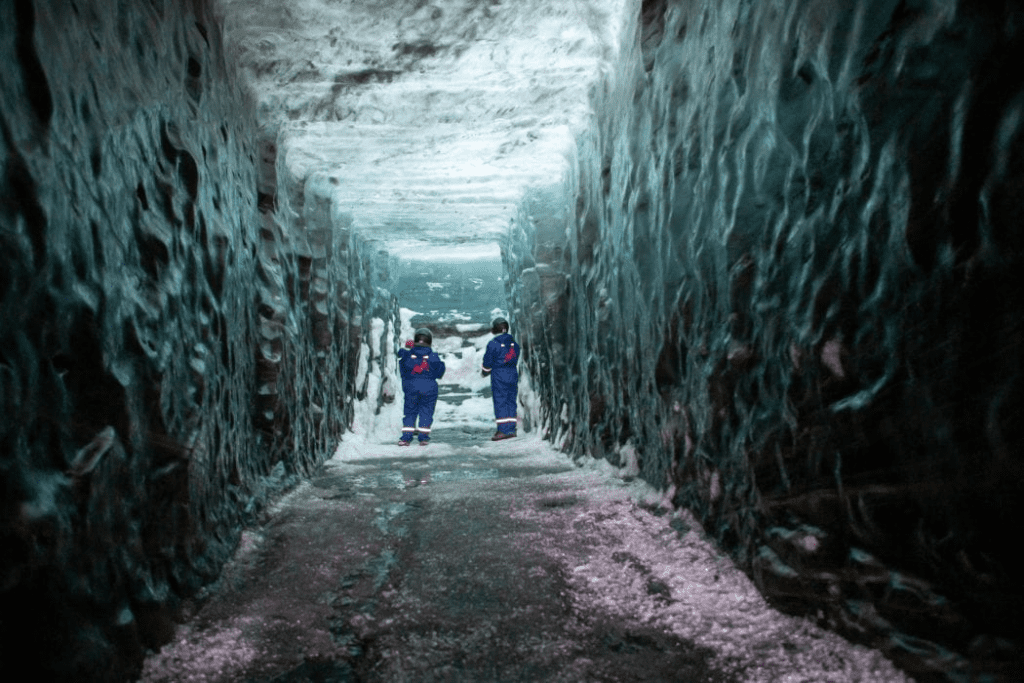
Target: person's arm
(485,369)
(437,366)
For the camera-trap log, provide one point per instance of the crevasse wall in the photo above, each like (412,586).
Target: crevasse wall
(786,280)
(158,382)
(327,314)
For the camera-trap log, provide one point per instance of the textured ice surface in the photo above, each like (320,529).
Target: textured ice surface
(171,355)
(784,272)
(430,119)
(493,562)
(128,328)
(765,255)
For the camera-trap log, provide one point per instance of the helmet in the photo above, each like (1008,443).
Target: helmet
(423,335)
(499,325)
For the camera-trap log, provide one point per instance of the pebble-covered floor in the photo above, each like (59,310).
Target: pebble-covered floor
(476,561)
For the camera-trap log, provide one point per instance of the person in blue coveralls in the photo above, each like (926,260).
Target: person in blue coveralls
(500,360)
(420,368)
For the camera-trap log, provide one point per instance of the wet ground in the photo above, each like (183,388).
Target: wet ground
(469,560)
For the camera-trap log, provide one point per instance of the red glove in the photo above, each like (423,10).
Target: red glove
(408,344)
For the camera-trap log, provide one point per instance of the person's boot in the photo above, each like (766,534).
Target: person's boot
(403,442)
(500,436)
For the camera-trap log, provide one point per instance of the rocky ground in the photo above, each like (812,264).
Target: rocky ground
(469,560)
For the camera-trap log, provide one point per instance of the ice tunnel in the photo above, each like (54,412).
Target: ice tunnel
(772,251)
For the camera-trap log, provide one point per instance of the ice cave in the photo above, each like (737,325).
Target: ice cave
(760,257)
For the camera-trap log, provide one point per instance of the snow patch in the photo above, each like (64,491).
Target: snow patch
(376,334)
(629,462)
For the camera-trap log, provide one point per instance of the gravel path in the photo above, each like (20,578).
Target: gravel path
(476,561)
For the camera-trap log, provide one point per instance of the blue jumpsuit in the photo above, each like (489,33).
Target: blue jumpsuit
(500,360)
(420,368)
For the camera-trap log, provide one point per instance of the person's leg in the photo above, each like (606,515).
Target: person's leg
(409,411)
(505,394)
(426,413)
(496,400)
(511,406)
(496,397)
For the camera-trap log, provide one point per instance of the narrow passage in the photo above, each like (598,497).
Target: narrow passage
(468,560)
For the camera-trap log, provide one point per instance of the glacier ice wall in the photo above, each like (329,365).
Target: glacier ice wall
(785,271)
(320,291)
(157,382)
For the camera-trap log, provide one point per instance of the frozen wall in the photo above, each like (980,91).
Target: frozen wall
(170,357)
(326,314)
(788,278)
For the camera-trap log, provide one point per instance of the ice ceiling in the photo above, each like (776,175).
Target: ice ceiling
(426,121)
